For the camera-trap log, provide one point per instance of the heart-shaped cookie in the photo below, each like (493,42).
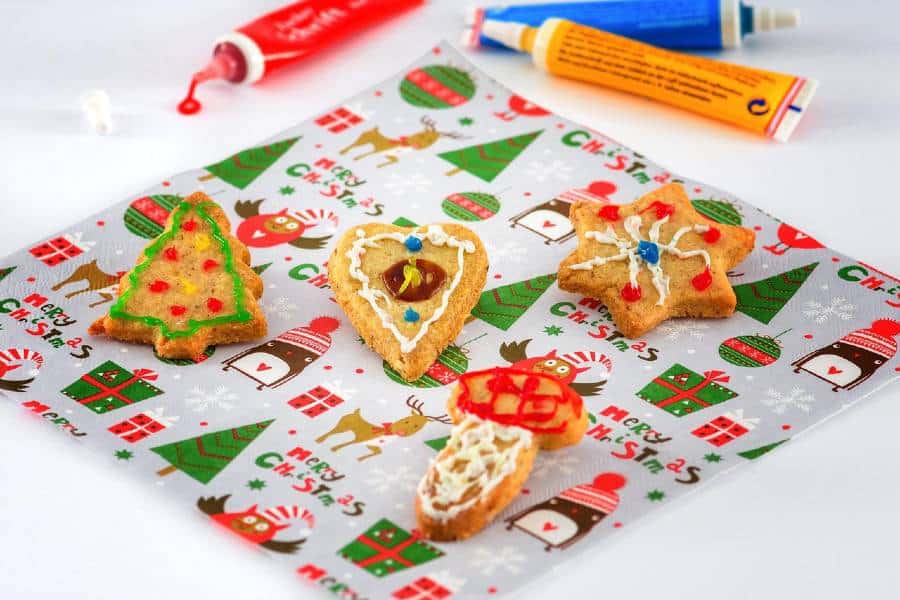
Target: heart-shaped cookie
(408,290)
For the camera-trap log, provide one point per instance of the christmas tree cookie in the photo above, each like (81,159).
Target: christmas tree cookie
(408,290)
(654,259)
(191,287)
(503,417)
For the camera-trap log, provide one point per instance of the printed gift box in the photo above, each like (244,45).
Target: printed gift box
(110,386)
(342,118)
(437,586)
(320,399)
(60,249)
(142,425)
(385,548)
(722,430)
(680,391)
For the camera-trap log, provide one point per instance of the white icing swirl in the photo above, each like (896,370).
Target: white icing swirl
(437,237)
(474,443)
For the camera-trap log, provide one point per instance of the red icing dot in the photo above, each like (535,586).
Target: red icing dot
(177,310)
(631,293)
(214,305)
(808,336)
(527,194)
(101,223)
(662,209)
(209,264)
(610,212)
(897,369)
(377,93)
(526,491)
(360,371)
(159,286)
(489,96)
(435,50)
(171,253)
(697,190)
(712,235)
(702,281)
(288,258)
(189,225)
(492,590)
(785,427)
(560,125)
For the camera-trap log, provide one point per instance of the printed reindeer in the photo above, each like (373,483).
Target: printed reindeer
(396,146)
(105,284)
(367,433)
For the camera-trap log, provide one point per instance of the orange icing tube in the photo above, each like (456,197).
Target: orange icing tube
(766,102)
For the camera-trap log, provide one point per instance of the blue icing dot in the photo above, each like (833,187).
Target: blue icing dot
(413,244)
(648,251)
(410,316)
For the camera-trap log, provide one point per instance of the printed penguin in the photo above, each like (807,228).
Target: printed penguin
(258,527)
(271,229)
(855,357)
(569,516)
(277,361)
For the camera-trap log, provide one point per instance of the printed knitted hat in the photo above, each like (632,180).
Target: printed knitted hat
(599,494)
(878,338)
(313,337)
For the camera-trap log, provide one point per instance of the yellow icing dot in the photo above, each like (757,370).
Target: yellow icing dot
(187,287)
(201,242)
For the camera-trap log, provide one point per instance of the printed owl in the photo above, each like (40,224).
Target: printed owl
(565,367)
(272,229)
(257,527)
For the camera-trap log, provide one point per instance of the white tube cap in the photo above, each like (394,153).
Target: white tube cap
(769,19)
(508,34)
(95,105)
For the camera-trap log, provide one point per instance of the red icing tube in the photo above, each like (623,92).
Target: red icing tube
(286,36)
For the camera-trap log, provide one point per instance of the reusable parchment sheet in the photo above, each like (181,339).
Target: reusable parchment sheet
(287,442)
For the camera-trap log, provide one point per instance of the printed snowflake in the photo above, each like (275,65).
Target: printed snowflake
(552,463)
(553,330)
(286,190)
(124,454)
(820,313)
(542,172)
(510,251)
(400,477)
(779,402)
(712,457)
(676,330)
(221,397)
(488,560)
(281,307)
(256,484)
(402,184)
(655,495)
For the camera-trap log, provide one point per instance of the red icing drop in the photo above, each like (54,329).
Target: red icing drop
(702,281)
(177,310)
(610,212)
(712,235)
(159,286)
(214,305)
(189,225)
(631,293)
(209,264)
(190,106)
(170,253)
(662,209)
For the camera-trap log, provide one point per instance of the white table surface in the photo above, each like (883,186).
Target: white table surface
(818,519)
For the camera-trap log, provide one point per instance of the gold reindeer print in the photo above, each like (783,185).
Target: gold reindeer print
(105,284)
(392,147)
(373,435)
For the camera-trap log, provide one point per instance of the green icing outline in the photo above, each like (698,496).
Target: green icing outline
(241,314)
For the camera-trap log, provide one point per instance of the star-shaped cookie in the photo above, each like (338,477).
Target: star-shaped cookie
(654,259)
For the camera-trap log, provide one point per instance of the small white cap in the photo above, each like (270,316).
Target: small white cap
(768,19)
(508,34)
(95,104)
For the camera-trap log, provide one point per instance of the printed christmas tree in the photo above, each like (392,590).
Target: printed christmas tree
(763,299)
(188,281)
(203,457)
(5,271)
(241,169)
(486,161)
(502,306)
(757,452)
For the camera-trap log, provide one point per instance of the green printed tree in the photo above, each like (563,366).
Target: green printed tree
(241,169)
(763,299)
(203,457)
(486,161)
(502,306)
(757,452)
(5,271)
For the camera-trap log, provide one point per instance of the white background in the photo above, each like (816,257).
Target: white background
(818,519)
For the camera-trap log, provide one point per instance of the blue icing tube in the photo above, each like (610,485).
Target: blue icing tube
(666,23)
